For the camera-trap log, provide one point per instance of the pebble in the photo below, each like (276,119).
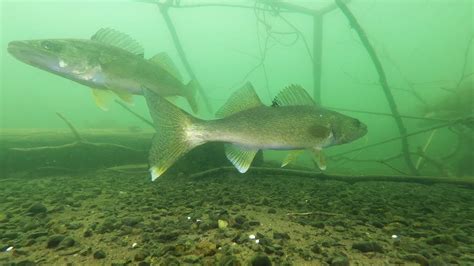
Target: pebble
(36,208)
(54,241)
(99,254)
(368,246)
(260,260)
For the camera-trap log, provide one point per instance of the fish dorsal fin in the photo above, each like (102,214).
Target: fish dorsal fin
(165,62)
(293,95)
(243,99)
(119,39)
(240,157)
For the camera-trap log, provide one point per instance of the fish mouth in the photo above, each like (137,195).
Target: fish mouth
(28,53)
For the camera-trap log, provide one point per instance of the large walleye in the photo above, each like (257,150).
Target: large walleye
(294,122)
(109,62)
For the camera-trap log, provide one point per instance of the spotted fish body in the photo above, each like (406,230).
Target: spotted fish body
(109,62)
(246,126)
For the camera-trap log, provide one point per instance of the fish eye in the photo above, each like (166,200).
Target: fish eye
(356,123)
(51,46)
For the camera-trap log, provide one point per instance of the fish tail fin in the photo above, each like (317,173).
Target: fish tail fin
(174,134)
(190,94)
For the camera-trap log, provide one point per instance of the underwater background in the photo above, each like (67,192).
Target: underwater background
(94,203)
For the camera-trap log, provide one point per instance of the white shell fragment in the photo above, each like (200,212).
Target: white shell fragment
(9,249)
(257,241)
(252,237)
(134,245)
(394,236)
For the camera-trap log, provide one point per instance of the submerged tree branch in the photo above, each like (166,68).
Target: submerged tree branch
(349,179)
(383,82)
(174,35)
(135,113)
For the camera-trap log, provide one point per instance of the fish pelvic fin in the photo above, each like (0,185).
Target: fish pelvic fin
(102,98)
(175,134)
(190,94)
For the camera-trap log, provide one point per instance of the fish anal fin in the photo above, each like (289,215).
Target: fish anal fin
(293,95)
(164,61)
(240,157)
(118,39)
(291,157)
(102,98)
(243,99)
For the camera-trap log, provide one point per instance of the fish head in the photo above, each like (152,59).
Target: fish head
(346,129)
(69,58)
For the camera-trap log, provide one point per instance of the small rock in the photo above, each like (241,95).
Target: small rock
(141,255)
(99,254)
(272,210)
(340,261)
(191,259)
(261,260)
(67,242)
(316,248)
(418,258)
(167,237)
(73,226)
(277,235)
(368,246)
(206,248)
(131,221)
(87,233)
(36,208)
(222,224)
(54,241)
(254,223)
(441,239)
(26,263)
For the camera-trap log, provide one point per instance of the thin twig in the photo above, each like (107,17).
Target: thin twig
(468,183)
(383,82)
(466,59)
(135,113)
(397,138)
(71,127)
(387,114)
(182,54)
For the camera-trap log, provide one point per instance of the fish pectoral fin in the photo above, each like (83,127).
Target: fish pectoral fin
(240,157)
(319,158)
(291,157)
(102,98)
(124,96)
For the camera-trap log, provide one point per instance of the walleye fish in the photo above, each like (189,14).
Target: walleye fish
(110,61)
(246,125)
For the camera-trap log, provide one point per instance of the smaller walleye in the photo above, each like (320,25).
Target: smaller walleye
(293,122)
(110,61)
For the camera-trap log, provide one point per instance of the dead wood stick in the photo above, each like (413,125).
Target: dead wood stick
(383,82)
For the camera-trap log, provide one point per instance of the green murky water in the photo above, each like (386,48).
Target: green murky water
(75,185)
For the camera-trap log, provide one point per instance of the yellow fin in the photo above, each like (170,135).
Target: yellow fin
(320,159)
(102,98)
(240,157)
(125,96)
(291,157)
